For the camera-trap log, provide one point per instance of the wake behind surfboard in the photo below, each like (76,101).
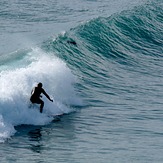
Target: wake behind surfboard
(56,118)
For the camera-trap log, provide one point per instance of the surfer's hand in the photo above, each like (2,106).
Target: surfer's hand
(51,100)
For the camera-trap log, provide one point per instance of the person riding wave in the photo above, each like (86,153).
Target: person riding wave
(36,94)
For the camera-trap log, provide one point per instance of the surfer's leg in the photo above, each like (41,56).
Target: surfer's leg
(39,101)
(41,106)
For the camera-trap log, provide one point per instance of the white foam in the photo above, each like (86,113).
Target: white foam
(16,85)
(6,130)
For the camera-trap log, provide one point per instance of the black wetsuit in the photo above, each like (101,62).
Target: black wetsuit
(35,97)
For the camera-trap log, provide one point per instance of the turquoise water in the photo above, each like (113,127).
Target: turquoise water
(101,62)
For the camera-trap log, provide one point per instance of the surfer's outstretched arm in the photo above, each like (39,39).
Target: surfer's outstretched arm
(47,95)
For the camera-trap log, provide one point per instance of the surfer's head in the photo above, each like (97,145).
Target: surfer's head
(40,85)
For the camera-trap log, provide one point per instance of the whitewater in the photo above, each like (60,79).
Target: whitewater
(101,63)
(15,90)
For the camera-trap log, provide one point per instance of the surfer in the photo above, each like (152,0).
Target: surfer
(36,95)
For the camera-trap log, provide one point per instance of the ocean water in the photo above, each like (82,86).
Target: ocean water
(101,62)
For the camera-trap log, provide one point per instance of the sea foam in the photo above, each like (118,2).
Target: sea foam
(16,85)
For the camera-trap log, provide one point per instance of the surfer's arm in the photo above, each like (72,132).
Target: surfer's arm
(43,91)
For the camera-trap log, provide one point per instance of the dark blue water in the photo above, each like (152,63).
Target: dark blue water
(101,62)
